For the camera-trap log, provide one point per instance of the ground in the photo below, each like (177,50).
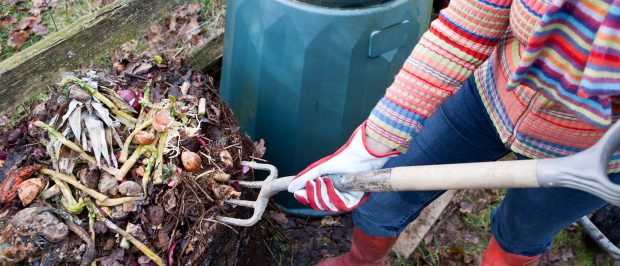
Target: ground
(458,238)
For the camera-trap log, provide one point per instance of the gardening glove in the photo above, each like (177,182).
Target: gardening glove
(313,188)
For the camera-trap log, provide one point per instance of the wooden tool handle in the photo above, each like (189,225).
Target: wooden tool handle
(501,174)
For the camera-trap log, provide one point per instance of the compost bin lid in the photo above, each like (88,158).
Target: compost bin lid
(345,3)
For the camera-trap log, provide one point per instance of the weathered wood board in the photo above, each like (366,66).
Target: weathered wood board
(413,235)
(82,43)
(208,53)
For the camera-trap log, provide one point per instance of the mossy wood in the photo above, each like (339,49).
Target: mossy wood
(208,54)
(85,41)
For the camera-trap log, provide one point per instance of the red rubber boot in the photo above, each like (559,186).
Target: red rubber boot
(366,250)
(494,255)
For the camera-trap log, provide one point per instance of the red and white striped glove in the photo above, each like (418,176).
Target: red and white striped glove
(312,188)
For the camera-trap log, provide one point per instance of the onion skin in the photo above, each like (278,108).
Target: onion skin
(128,96)
(162,121)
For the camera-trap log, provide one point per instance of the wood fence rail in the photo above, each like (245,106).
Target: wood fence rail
(85,41)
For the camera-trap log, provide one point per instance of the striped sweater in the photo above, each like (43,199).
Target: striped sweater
(490,39)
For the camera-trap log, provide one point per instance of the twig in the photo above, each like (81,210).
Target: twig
(224,224)
(135,76)
(89,253)
(258,159)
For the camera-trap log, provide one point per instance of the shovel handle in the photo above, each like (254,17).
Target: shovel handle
(502,174)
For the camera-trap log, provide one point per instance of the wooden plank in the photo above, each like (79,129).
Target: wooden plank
(204,56)
(415,232)
(413,235)
(82,43)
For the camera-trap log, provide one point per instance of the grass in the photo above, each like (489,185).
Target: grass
(464,235)
(572,239)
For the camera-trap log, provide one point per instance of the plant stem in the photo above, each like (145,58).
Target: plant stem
(125,152)
(55,134)
(125,118)
(118,201)
(149,167)
(129,163)
(65,190)
(146,98)
(157,179)
(141,246)
(72,181)
(84,85)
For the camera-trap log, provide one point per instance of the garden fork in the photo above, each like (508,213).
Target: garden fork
(585,171)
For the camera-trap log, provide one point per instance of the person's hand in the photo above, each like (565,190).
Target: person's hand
(312,188)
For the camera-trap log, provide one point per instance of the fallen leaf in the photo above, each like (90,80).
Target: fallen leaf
(330,221)
(4,120)
(553,255)
(17,38)
(278,217)
(226,158)
(471,237)
(40,29)
(156,215)
(30,189)
(259,148)
(466,207)
(428,238)
(8,20)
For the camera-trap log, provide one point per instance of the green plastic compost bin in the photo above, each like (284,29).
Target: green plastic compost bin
(302,75)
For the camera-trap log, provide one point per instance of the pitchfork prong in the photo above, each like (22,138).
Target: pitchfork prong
(268,187)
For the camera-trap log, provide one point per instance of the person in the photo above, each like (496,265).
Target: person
(538,78)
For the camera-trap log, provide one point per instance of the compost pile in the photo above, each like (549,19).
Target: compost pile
(129,166)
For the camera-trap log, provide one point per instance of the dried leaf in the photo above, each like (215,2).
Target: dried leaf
(29,189)
(72,106)
(143,68)
(117,100)
(466,207)
(96,135)
(279,217)
(40,29)
(103,113)
(75,122)
(330,221)
(130,189)
(84,138)
(7,20)
(226,158)
(108,137)
(17,38)
(259,148)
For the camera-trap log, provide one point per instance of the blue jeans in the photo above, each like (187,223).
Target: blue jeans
(459,132)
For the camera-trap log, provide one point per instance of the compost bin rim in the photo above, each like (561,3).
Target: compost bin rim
(342,11)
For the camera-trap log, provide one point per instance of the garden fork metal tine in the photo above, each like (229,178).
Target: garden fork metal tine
(268,187)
